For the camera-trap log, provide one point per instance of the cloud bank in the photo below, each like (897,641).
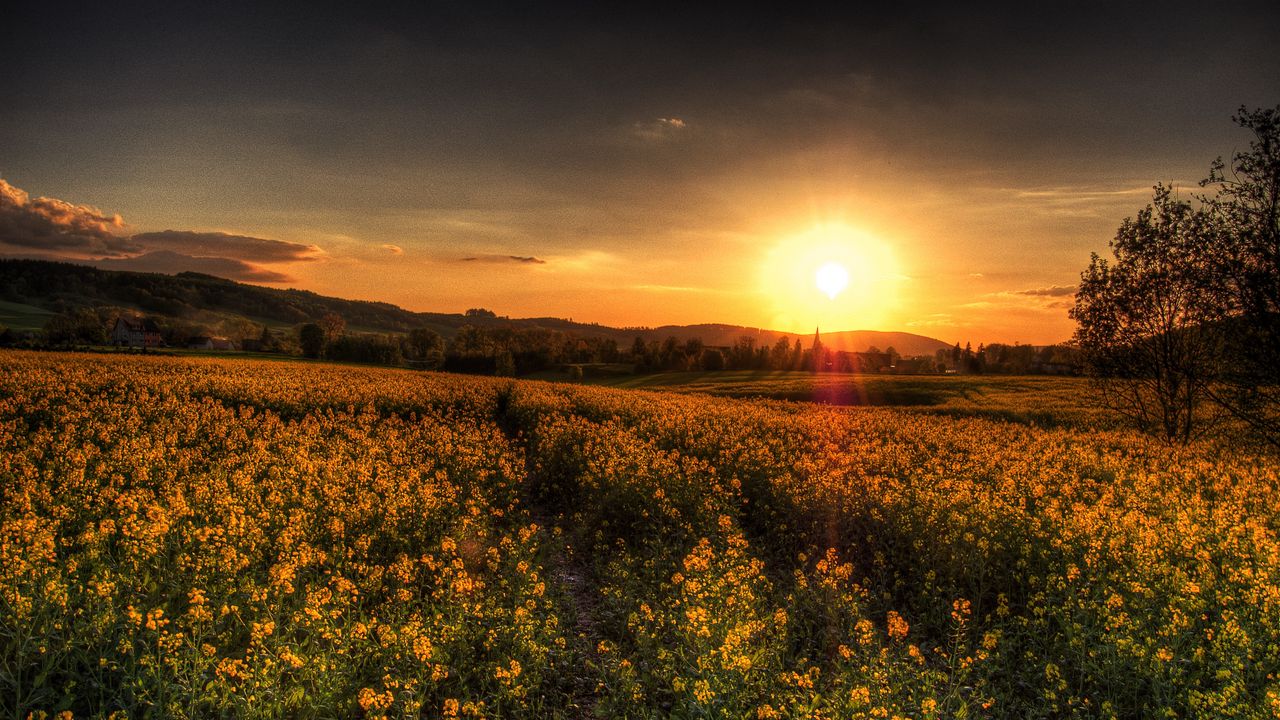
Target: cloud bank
(58,230)
(1051,291)
(57,226)
(246,248)
(523,259)
(172,263)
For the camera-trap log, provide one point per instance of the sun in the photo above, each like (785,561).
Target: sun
(833,275)
(831,279)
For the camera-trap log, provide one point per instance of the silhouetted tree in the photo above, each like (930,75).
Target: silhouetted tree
(693,349)
(638,350)
(1148,322)
(471,341)
(671,354)
(1246,212)
(780,356)
(333,326)
(608,350)
(425,348)
(366,348)
(743,354)
(506,365)
(311,340)
(267,340)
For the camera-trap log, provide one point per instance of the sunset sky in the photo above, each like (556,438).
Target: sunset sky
(661,166)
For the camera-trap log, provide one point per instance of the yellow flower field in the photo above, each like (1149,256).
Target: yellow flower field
(213,538)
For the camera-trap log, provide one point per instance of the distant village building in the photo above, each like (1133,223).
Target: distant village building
(135,332)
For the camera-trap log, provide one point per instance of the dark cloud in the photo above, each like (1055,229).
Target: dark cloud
(1051,291)
(53,229)
(527,260)
(384,121)
(170,263)
(211,244)
(52,225)
(519,108)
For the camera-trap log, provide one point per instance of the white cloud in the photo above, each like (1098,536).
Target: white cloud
(661,129)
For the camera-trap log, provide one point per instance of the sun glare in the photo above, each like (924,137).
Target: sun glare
(831,278)
(835,276)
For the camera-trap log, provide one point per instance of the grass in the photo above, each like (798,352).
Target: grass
(19,316)
(1038,400)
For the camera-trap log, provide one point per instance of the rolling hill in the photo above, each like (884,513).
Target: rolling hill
(31,290)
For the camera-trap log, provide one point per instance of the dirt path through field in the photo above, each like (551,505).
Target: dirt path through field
(569,574)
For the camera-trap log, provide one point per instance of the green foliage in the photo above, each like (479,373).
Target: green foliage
(505,365)
(424,347)
(712,359)
(79,327)
(365,348)
(333,325)
(311,339)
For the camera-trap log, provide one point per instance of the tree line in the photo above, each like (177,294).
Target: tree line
(515,350)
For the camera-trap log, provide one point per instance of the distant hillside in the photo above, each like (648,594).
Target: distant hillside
(48,287)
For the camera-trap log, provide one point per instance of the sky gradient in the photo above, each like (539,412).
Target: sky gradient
(665,166)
